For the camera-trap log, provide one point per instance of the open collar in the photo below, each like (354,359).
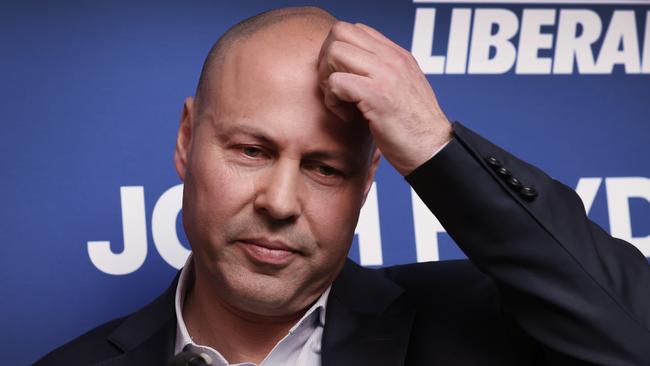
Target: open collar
(368,321)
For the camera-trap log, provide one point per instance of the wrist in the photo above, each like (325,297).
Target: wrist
(437,141)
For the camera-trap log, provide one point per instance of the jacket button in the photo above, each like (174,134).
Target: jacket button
(515,183)
(528,193)
(503,172)
(493,162)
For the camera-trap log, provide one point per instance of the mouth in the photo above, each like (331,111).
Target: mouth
(268,252)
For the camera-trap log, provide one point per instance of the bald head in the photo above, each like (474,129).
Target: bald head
(297,20)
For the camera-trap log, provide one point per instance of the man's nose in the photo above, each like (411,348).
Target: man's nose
(278,191)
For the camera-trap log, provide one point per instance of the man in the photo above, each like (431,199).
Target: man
(277,153)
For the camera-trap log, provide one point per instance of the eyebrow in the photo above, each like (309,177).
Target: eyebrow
(350,161)
(226,132)
(328,155)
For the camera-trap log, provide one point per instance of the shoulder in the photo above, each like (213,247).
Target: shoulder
(149,332)
(450,282)
(90,347)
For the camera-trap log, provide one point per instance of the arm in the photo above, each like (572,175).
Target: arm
(580,293)
(576,290)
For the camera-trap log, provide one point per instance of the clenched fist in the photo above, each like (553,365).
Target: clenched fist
(362,71)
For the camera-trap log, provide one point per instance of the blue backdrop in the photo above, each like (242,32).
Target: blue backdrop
(91,93)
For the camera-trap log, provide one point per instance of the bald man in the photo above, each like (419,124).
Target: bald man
(278,151)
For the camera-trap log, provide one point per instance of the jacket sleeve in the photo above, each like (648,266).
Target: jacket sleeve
(580,293)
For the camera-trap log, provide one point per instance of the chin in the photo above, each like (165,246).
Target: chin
(265,295)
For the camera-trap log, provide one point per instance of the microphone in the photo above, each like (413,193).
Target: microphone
(189,358)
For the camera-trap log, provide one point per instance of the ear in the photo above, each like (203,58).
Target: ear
(374,164)
(184,138)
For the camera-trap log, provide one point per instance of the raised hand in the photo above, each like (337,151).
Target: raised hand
(363,72)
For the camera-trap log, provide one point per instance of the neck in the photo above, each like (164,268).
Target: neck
(238,336)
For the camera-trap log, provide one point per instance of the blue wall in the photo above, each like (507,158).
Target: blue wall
(90,96)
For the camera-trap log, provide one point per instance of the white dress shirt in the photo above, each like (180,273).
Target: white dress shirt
(300,347)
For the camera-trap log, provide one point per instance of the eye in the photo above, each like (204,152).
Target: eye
(325,174)
(252,151)
(326,170)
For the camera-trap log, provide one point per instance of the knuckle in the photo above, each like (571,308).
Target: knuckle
(338,29)
(408,56)
(402,58)
(399,54)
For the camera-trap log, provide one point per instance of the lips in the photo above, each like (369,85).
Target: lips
(268,252)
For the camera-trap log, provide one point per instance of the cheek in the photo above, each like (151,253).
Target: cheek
(333,218)
(213,194)
(217,179)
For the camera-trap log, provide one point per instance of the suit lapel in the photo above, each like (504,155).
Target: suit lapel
(368,320)
(147,337)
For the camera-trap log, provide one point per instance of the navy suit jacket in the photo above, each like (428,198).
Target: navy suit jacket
(544,285)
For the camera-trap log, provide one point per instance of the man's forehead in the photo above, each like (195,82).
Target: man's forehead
(299,37)
(293,42)
(301,27)
(279,58)
(268,82)
(286,25)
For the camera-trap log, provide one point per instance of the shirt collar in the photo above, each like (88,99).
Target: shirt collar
(182,335)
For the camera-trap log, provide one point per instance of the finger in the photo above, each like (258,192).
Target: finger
(375,34)
(344,110)
(350,87)
(344,92)
(348,33)
(380,37)
(341,56)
